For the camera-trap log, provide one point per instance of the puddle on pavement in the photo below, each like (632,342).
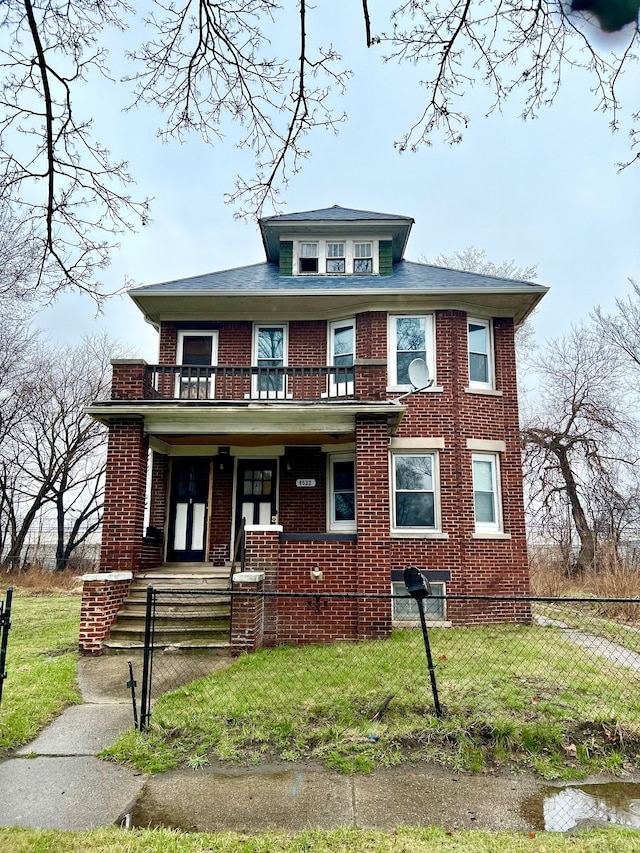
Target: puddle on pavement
(582,806)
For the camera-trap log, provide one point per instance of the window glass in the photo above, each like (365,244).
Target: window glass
(406,609)
(270,353)
(410,337)
(414,500)
(344,491)
(362,250)
(485,499)
(197,349)
(308,258)
(479,352)
(335,250)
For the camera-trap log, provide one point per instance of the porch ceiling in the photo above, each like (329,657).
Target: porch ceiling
(188,419)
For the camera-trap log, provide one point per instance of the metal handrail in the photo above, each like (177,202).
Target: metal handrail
(239,545)
(203,382)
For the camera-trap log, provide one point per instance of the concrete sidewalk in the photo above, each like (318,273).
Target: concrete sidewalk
(56,782)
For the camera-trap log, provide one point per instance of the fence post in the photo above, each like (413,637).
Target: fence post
(147,662)
(5,624)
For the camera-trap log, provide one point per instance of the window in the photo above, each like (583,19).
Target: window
(480,355)
(485,493)
(410,337)
(342,493)
(335,258)
(414,491)
(362,258)
(405,610)
(308,258)
(341,355)
(197,351)
(270,344)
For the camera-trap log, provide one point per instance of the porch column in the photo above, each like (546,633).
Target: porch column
(262,554)
(124,496)
(373,547)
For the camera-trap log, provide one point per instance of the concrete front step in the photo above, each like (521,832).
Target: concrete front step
(115,647)
(183,621)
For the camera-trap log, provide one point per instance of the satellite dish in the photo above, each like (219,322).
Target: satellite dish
(419,374)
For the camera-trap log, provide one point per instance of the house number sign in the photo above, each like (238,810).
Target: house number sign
(305,484)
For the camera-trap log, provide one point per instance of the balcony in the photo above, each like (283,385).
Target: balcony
(296,384)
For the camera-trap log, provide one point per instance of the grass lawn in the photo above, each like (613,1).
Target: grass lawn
(41,666)
(424,840)
(512,696)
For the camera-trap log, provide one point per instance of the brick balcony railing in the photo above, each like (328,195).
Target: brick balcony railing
(182,382)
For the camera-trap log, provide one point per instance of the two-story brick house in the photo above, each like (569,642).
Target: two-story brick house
(280,399)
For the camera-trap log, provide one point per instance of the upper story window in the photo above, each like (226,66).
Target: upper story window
(363,258)
(196,350)
(270,354)
(410,337)
(308,258)
(335,258)
(480,339)
(342,343)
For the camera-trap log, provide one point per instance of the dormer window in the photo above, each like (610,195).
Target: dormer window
(308,259)
(335,258)
(362,258)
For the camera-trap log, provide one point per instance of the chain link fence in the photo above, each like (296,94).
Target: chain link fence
(559,695)
(5,624)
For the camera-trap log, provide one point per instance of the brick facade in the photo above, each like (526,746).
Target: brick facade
(300,554)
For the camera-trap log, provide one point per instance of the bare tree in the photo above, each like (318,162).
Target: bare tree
(623,329)
(209,67)
(53,457)
(473,259)
(578,434)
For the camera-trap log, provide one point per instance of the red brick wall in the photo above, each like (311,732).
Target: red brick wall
(373,548)
(220,515)
(125,486)
(477,566)
(101,601)
(129,380)
(303,510)
(308,343)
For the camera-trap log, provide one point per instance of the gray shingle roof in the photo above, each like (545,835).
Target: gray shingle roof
(332,214)
(407,276)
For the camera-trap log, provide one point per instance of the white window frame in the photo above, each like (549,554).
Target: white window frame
(494,526)
(333,523)
(268,394)
(317,256)
(331,256)
(392,337)
(209,386)
(488,325)
(322,244)
(435,468)
(336,388)
(408,620)
(358,256)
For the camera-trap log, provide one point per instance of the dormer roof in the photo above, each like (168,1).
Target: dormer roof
(335,221)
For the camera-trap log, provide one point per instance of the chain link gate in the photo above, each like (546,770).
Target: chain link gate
(5,624)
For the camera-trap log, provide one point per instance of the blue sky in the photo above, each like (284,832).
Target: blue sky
(543,192)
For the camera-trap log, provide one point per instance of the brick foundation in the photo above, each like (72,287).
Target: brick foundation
(102,598)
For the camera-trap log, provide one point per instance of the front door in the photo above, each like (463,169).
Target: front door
(188,515)
(256,491)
